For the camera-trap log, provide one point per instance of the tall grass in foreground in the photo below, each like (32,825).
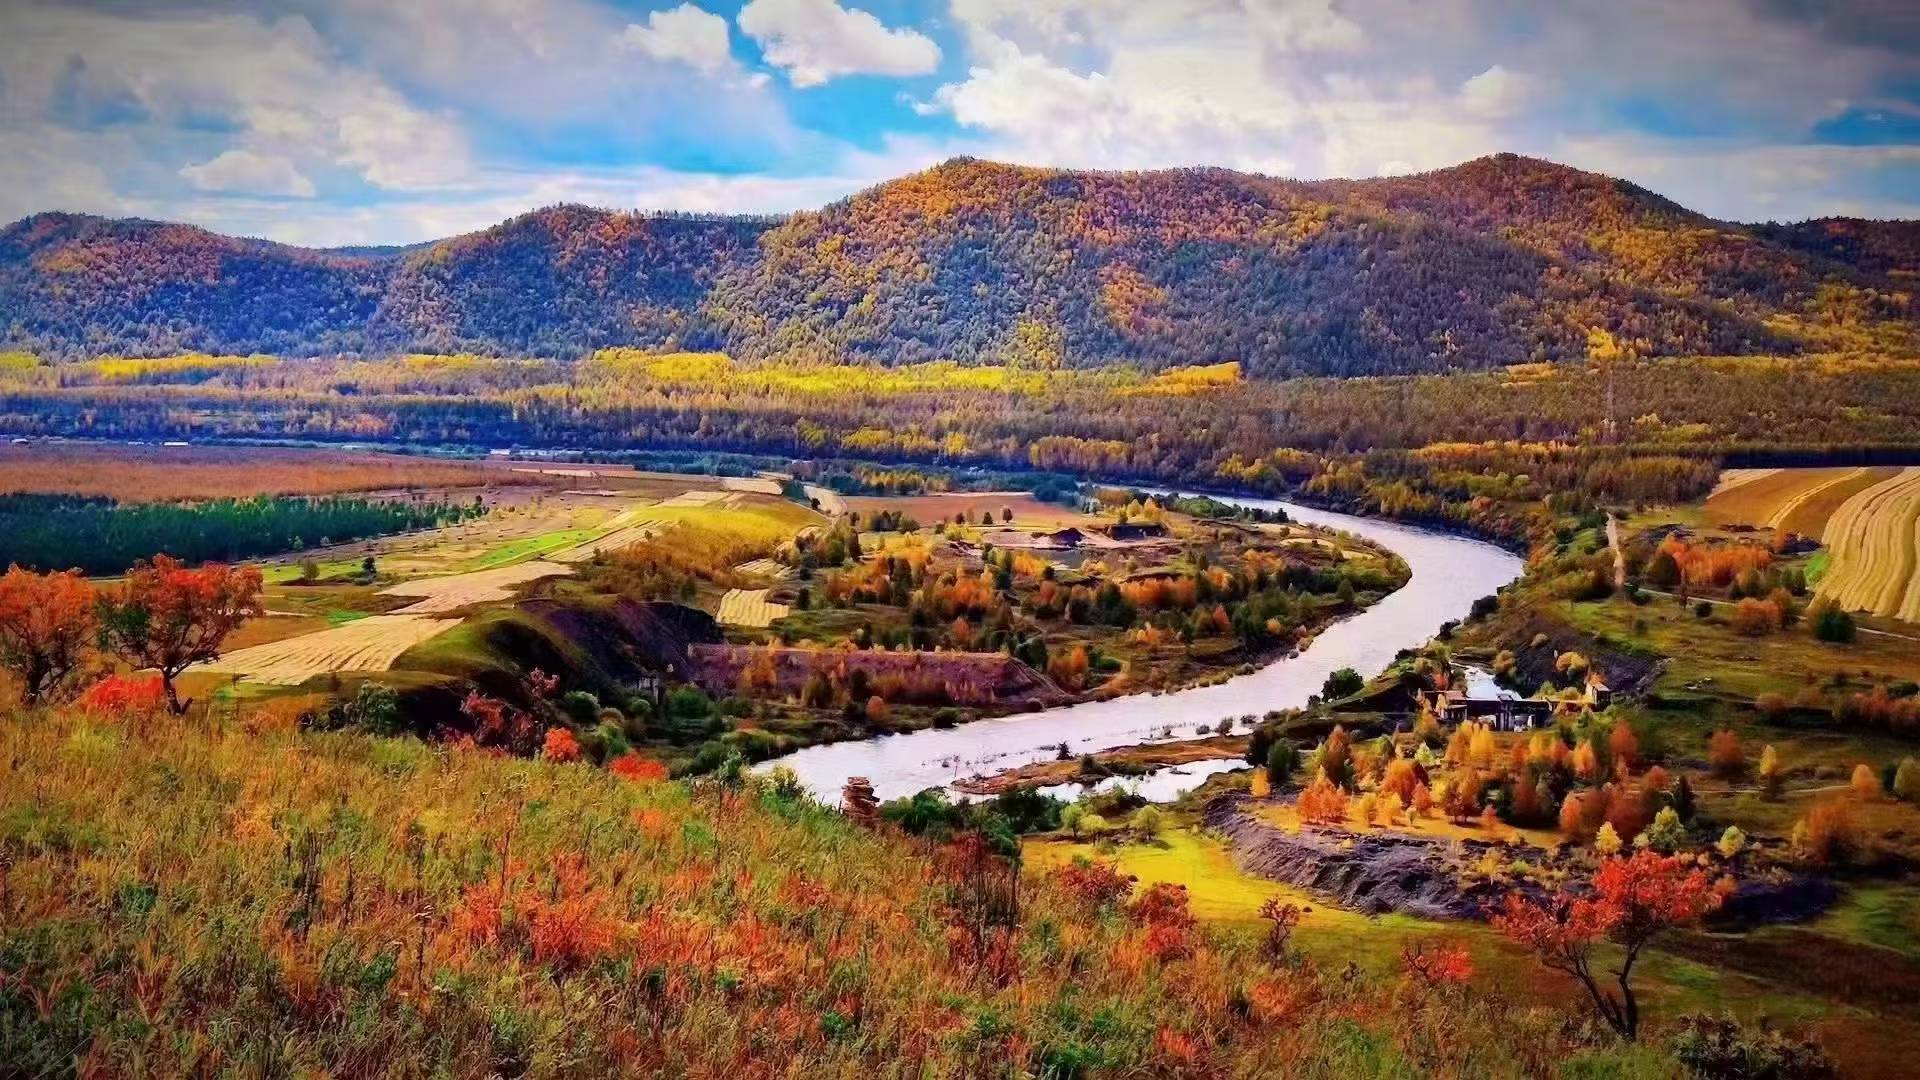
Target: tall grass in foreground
(177,899)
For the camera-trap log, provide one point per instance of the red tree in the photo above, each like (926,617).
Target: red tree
(167,617)
(46,623)
(1632,901)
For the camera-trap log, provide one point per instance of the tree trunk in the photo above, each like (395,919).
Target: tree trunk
(174,704)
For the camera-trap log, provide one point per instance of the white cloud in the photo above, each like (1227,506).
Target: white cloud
(1775,182)
(685,34)
(498,194)
(277,86)
(49,168)
(249,173)
(816,41)
(1495,92)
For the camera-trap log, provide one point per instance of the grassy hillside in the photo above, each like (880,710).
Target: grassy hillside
(1497,261)
(179,898)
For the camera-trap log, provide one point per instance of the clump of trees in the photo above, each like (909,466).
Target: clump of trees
(162,616)
(104,537)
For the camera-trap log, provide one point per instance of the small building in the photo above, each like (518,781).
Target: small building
(1135,531)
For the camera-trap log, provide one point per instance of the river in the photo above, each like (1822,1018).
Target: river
(1449,574)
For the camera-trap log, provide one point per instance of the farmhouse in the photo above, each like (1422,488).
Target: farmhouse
(1504,710)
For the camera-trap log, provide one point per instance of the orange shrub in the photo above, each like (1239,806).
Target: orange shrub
(637,768)
(1725,755)
(560,745)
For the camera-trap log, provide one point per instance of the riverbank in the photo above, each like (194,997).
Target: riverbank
(1448,573)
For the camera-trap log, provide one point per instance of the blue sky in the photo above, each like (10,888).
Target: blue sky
(392,121)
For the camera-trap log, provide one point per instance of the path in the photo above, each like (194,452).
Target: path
(1619,556)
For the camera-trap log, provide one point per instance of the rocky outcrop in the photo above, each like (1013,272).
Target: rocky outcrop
(1373,873)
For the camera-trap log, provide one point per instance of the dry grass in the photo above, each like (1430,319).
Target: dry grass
(167,474)
(1874,539)
(184,899)
(370,644)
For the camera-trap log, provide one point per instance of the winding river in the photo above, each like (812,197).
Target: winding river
(1449,574)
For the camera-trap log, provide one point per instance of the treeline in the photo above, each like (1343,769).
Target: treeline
(100,536)
(1462,450)
(1498,261)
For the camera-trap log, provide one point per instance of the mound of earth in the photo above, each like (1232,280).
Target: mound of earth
(1373,873)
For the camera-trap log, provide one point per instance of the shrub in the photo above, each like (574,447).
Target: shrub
(1756,618)
(1283,759)
(581,707)
(1826,835)
(1721,1049)
(1834,624)
(1865,785)
(560,745)
(1343,683)
(1725,755)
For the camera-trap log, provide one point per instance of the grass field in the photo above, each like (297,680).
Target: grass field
(1873,537)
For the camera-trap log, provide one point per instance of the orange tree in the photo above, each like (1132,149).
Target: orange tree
(46,624)
(167,617)
(1630,903)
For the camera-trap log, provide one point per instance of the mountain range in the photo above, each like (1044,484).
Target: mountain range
(1500,260)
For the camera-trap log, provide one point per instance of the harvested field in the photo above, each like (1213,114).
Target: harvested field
(749,607)
(453,592)
(923,678)
(755,485)
(1809,517)
(831,502)
(1766,497)
(766,568)
(1874,538)
(370,644)
(1733,478)
(131,473)
(697,498)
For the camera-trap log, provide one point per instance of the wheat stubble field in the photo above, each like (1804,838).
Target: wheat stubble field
(1874,537)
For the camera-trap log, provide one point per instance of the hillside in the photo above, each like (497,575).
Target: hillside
(1497,261)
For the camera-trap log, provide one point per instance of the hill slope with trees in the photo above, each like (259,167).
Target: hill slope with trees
(1497,261)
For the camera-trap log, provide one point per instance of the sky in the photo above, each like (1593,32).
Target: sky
(337,122)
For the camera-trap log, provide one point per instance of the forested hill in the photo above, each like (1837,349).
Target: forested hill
(1500,260)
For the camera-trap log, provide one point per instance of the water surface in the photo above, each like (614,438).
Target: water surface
(1449,574)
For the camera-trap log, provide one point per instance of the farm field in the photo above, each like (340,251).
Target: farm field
(369,644)
(1787,500)
(152,473)
(1873,537)
(442,595)
(749,607)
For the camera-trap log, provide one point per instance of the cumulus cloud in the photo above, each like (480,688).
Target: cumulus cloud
(249,173)
(816,41)
(403,121)
(1366,87)
(276,87)
(685,34)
